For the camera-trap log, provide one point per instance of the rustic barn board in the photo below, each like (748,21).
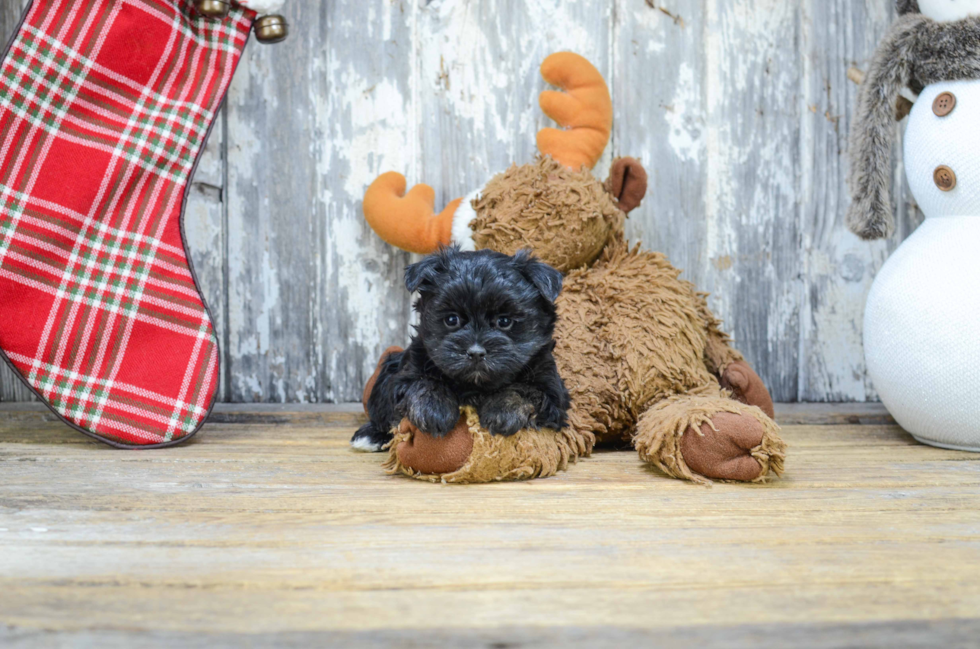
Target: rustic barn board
(204,227)
(837,268)
(479,81)
(278,527)
(313,295)
(659,103)
(753,143)
(740,110)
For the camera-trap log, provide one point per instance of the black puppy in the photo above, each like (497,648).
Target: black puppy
(484,340)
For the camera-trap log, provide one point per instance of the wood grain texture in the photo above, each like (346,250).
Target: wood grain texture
(314,296)
(837,268)
(740,109)
(256,529)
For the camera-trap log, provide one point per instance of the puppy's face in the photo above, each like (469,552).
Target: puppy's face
(484,315)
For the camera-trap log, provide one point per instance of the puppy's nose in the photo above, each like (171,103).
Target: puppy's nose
(476,353)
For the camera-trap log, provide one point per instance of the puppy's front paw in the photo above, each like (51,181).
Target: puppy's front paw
(433,416)
(551,416)
(505,414)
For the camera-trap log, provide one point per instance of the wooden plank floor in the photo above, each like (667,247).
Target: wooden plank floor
(268,530)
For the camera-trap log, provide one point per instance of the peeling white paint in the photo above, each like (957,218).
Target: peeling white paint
(685,116)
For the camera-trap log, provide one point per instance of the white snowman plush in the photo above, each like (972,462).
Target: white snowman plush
(922,320)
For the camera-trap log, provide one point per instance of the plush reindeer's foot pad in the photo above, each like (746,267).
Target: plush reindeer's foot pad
(434,455)
(722,448)
(745,385)
(707,435)
(469,454)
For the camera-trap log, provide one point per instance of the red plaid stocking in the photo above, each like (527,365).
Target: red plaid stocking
(104,107)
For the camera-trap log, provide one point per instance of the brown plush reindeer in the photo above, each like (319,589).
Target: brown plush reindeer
(644,359)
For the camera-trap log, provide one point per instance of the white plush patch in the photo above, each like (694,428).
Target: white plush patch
(263,7)
(365,445)
(947,10)
(462,232)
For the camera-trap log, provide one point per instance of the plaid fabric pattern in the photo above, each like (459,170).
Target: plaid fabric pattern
(104,107)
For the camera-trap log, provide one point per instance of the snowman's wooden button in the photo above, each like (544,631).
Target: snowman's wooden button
(945,178)
(944,104)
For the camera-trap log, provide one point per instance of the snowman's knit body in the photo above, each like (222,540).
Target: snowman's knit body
(921,322)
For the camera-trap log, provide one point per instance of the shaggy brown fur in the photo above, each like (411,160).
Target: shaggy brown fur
(633,344)
(629,333)
(640,353)
(918,51)
(525,205)
(639,350)
(661,430)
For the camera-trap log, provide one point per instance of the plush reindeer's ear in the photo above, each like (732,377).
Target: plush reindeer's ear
(627,183)
(908,7)
(546,279)
(422,275)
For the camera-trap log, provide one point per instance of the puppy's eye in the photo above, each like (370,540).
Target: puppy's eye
(451,320)
(504,322)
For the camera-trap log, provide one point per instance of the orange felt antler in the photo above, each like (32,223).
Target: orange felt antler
(584,110)
(408,221)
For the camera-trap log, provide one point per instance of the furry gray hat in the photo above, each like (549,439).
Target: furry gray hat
(917,51)
(908,6)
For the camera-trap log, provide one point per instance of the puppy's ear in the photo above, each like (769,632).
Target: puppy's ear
(421,275)
(545,278)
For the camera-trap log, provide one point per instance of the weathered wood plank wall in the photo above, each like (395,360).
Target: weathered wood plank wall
(739,108)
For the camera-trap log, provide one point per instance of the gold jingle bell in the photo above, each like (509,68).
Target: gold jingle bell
(213,8)
(271,29)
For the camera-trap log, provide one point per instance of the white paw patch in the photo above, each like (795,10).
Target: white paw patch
(365,445)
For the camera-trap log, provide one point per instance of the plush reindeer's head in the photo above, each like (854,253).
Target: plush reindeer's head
(555,206)
(566,217)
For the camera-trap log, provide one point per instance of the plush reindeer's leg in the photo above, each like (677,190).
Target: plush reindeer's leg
(747,387)
(469,454)
(706,435)
(369,386)
(726,363)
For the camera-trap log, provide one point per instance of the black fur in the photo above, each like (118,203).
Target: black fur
(484,339)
